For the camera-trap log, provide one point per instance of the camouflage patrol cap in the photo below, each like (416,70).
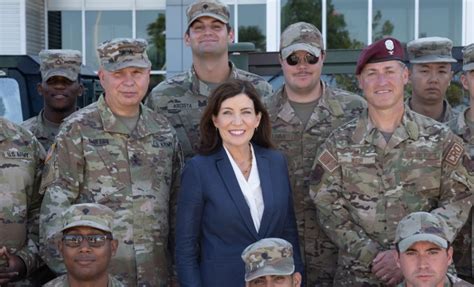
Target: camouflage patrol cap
(468,57)
(65,63)
(386,49)
(269,256)
(421,226)
(88,214)
(210,8)
(121,53)
(430,50)
(301,36)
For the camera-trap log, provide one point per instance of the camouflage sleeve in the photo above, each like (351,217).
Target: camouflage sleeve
(264,89)
(326,191)
(29,253)
(62,181)
(456,197)
(177,167)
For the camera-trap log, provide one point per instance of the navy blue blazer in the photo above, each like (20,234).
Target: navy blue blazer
(214,224)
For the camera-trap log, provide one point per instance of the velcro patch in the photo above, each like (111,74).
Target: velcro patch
(328,160)
(454,154)
(17,154)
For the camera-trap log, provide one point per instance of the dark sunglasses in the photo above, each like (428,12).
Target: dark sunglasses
(293,59)
(94,240)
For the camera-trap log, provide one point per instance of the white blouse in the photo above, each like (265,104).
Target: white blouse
(251,189)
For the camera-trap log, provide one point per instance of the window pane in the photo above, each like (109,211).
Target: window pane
(105,25)
(151,26)
(441,18)
(346,24)
(252,25)
(10,103)
(393,18)
(64,30)
(293,11)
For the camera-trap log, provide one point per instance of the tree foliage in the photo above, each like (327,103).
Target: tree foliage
(157,40)
(254,35)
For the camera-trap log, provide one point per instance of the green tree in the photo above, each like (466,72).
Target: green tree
(310,11)
(254,35)
(380,32)
(156,51)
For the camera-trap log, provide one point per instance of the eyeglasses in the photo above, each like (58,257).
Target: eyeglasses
(94,240)
(293,59)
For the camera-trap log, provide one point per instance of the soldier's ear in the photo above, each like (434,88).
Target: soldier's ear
(114,245)
(296,279)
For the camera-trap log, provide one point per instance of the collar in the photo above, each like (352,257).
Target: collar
(198,87)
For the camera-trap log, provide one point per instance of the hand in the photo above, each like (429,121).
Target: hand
(16,268)
(385,268)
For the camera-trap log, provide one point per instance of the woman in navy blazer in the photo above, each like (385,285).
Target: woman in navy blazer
(221,207)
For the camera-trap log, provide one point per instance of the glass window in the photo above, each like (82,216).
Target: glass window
(346,24)
(393,18)
(10,103)
(293,11)
(441,18)
(105,25)
(151,26)
(64,30)
(252,25)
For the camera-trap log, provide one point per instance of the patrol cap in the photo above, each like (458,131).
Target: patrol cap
(468,57)
(65,63)
(421,226)
(430,50)
(211,8)
(386,49)
(269,256)
(88,214)
(301,36)
(121,53)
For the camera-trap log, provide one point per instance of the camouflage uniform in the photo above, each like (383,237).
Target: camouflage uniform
(61,281)
(64,63)
(463,247)
(423,226)
(433,50)
(183,98)
(38,127)
(21,158)
(97,159)
(368,185)
(299,143)
(93,215)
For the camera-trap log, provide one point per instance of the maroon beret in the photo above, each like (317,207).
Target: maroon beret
(386,49)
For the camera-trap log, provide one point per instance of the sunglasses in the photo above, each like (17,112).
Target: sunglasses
(94,240)
(293,59)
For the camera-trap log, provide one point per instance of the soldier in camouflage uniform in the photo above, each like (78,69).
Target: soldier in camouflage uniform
(87,263)
(60,88)
(382,166)
(430,76)
(118,153)
(304,111)
(424,253)
(21,157)
(183,97)
(269,262)
(463,126)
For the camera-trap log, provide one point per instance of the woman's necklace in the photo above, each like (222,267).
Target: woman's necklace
(246,170)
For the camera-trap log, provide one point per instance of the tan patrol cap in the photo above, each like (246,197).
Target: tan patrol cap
(301,36)
(430,50)
(88,214)
(121,53)
(210,8)
(468,57)
(65,63)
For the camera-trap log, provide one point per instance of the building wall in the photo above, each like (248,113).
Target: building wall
(11,18)
(178,55)
(35,27)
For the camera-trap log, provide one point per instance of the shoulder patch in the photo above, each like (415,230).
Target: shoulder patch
(454,154)
(328,160)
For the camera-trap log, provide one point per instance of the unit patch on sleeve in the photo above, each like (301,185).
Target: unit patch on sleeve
(328,160)
(454,154)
